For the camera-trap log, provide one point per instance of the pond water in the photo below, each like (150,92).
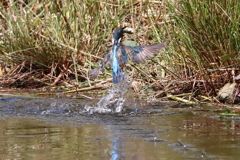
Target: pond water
(67,128)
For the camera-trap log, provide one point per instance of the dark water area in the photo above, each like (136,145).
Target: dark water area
(113,128)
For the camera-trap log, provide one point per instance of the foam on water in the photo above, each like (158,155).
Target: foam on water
(118,99)
(113,102)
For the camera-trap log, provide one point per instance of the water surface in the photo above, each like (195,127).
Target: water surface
(66,128)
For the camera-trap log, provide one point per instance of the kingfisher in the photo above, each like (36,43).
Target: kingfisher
(120,54)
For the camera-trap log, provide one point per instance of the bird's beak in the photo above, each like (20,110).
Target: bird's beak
(128,30)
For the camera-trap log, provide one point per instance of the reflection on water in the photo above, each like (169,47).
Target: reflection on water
(49,128)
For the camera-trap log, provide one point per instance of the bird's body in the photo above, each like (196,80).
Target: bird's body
(120,54)
(118,74)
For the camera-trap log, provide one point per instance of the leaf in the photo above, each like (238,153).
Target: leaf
(225,58)
(228,111)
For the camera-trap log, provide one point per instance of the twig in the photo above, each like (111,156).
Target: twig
(141,71)
(98,86)
(180,99)
(56,80)
(167,70)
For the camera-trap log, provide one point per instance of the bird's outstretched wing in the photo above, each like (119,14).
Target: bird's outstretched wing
(107,61)
(140,54)
(137,54)
(122,57)
(93,73)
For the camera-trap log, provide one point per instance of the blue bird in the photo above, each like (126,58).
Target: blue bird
(119,55)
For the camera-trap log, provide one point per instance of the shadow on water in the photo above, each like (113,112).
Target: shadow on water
(114,127)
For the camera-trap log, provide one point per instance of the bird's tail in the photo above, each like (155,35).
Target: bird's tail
(118,75)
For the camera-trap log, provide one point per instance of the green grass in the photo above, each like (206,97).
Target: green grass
(207,34)
(207,40)
(70,37)
(63,35)
(67,36)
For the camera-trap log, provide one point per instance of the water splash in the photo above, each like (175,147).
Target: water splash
(113,102)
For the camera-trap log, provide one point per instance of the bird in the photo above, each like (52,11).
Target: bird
(120,54)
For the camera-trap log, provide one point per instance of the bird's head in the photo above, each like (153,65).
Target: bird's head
(118,34)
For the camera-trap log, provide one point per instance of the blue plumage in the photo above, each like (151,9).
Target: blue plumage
(118,74)
(119,55)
